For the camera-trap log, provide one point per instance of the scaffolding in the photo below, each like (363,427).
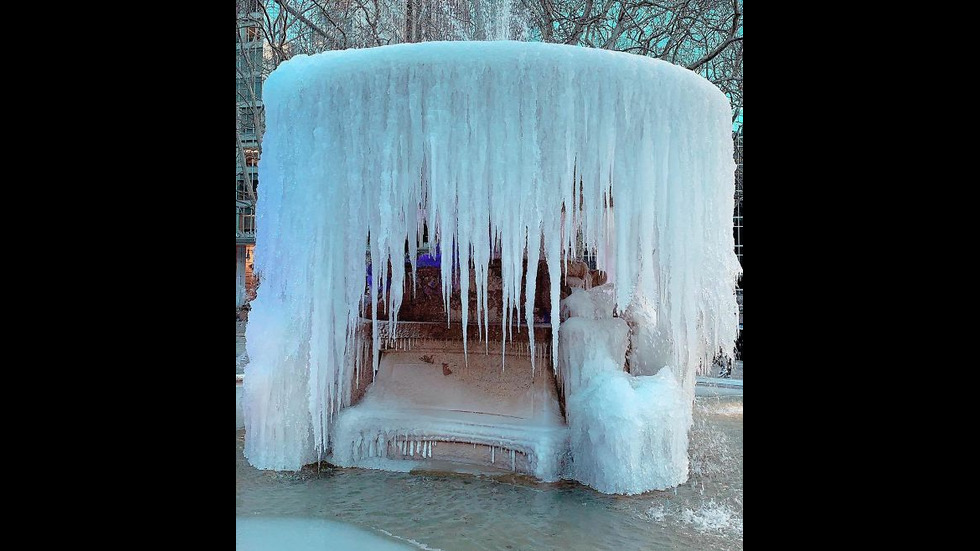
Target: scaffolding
(738,194)
(249,66)
(737,225)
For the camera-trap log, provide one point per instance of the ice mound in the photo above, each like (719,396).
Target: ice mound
(595,303)
(588,346)
(628,433)
(651,346)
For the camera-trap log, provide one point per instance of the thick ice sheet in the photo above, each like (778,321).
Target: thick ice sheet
(503,149)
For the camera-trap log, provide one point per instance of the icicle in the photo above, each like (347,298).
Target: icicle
(464,293)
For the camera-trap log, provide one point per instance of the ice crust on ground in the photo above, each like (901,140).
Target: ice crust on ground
(502,150)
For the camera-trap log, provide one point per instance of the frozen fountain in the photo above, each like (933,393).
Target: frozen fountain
(471,179)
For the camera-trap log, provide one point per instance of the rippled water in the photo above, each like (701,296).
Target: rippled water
(459,512)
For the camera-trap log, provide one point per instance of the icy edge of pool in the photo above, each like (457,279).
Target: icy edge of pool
(298,534)
(715,386)
(705,386)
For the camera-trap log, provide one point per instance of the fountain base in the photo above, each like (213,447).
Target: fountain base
(435,404)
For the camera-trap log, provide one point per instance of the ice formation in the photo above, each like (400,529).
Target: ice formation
(499,149)
(595,303)
(627,433)
(413,410)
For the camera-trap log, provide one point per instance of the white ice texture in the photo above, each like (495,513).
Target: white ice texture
(595,303)
(503,149)
(413,411)
(627,433)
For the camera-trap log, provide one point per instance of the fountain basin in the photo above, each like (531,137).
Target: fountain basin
(433,403)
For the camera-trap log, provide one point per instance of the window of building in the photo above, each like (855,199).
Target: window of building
(738,195)
(248,6)
(246,221)
(248,120)
(242,92)
(738,230)
(248,89)
(241,189)
(247,124)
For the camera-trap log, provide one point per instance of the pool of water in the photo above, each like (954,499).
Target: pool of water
(447,511)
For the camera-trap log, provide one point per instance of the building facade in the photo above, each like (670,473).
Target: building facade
(737,224)
(249,52)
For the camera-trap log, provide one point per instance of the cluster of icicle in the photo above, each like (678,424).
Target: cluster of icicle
(501,149)
(402,446)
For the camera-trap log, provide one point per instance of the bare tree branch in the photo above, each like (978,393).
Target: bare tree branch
(731,39)
(302,18)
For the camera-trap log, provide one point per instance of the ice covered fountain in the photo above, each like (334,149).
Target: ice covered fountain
(424,213)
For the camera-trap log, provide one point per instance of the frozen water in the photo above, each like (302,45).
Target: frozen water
(499,149)
(651,345)
(587,347)
(413,410)
(595,303)
(628,433)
